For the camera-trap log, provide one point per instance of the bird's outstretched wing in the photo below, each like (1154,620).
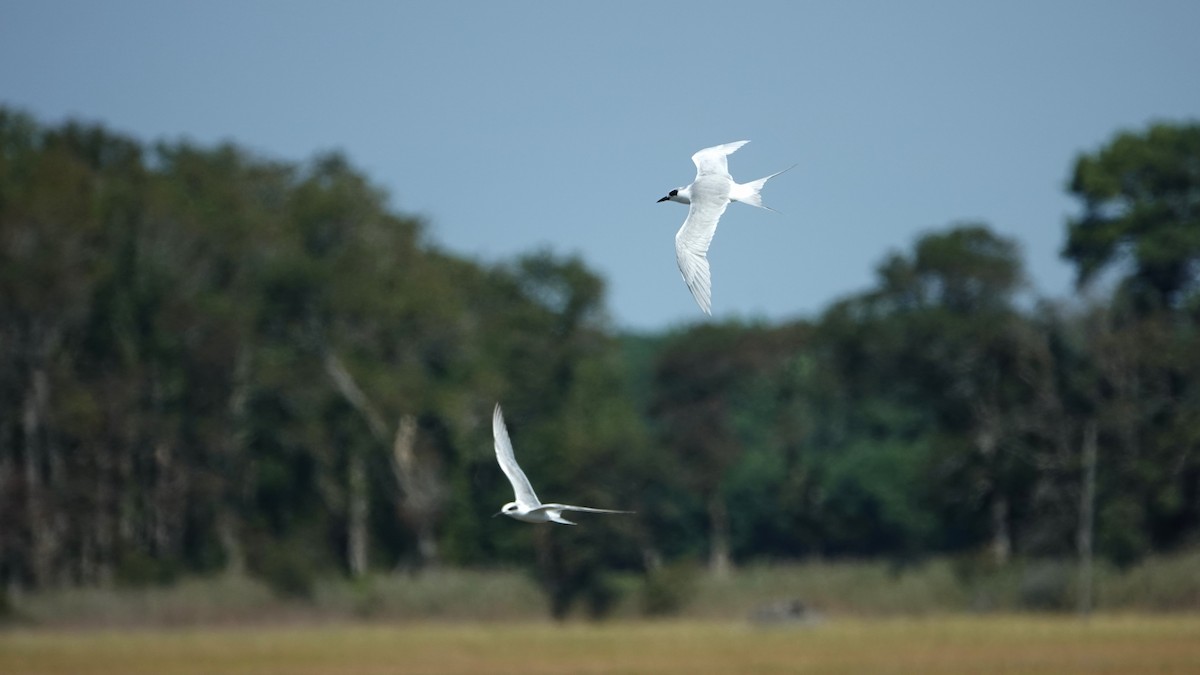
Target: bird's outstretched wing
(569,507)
(713,160)
(710,197)
(508,463)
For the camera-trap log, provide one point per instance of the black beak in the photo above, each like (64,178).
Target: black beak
(663,199)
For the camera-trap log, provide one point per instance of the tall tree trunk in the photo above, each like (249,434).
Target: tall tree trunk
(719,562)
(38,521)
(427,546)
(230,540)
(357,503)
(1087,517)
(987,444)
(1001,546)
(8,543)
(105,517)
(165,496)
(228,519)
(420,491)
(349,389)
(652,559)
(357,512)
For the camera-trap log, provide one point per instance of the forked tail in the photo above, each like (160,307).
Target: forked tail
(751,193)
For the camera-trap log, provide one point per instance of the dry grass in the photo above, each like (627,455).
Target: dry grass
(843,588)
(451,594)
(999,644)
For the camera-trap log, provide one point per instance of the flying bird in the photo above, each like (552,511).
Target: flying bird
(527,507)
(707,198)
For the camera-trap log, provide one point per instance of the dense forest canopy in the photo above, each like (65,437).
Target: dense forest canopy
(217,362)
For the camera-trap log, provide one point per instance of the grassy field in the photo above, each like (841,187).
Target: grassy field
(938,617)
(1124,644)
(845,588)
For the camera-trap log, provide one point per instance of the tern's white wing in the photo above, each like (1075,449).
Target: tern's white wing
(710,197)
(585,509)
(508,463)
(713,160)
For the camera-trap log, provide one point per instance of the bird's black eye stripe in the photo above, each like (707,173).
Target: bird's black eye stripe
(674,192)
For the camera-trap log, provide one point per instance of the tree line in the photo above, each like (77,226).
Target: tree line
(212,361)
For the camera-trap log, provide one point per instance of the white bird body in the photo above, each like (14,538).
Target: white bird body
(707,197)
(527,507)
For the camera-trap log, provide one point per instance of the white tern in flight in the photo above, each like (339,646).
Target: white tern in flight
(708,196)
(527,507)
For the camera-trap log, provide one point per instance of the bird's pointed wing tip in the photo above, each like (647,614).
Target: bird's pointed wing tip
(587,509)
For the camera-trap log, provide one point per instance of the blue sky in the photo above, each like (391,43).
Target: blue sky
(511,127)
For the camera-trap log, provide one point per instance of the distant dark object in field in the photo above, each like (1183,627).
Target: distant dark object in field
(786,612)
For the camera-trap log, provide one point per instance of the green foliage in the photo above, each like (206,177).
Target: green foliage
(288,570)
(666,590)
(136,569)
(1122,536)
(1141,200)
(207,356)
(873,492)
(209,342)
(571,569)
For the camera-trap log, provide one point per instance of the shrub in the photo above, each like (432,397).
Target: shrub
(286,574)
(136,568)
(1046,586)
(666,590)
